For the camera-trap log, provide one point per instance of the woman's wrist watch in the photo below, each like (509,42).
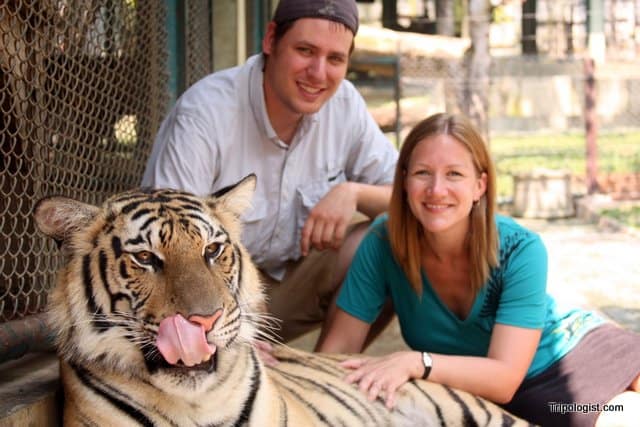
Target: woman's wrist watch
(427,361)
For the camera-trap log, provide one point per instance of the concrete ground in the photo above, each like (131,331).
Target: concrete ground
(591,265)
(594,266)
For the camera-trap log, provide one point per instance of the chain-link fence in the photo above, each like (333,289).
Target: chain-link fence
(562,26)
(406,77)
(198,40)
(536,114)
(82,91)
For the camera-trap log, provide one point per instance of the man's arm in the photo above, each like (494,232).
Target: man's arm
(327,223)
(182,157)
(372,199)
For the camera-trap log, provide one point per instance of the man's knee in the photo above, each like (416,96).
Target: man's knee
(301,299)
(307,293)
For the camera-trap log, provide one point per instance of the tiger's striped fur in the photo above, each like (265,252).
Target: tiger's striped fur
(147,255)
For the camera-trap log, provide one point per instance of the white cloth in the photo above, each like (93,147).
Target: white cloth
(219,132)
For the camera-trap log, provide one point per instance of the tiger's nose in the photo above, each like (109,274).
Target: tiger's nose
(206,321)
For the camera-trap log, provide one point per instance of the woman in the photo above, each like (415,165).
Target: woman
(469,289)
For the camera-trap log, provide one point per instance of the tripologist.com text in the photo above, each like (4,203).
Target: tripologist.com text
(563,408)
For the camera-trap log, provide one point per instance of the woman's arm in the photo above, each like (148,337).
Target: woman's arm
(345,334)
(495,377)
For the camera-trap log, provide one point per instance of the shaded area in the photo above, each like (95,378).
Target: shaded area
(629,318)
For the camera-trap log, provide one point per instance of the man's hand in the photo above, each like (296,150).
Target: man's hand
(327,223)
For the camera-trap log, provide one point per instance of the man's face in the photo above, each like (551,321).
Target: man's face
(305,67)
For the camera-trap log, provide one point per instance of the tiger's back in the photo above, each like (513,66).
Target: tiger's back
(157,310)
(316,381)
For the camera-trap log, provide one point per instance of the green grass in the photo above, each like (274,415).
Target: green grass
(627,215)
(617,152)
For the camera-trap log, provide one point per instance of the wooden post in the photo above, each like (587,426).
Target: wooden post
(529,27)
(591,125)
(390,14)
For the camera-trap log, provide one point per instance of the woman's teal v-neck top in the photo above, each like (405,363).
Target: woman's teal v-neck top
(515,295)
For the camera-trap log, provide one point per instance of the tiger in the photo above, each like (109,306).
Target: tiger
(157,311)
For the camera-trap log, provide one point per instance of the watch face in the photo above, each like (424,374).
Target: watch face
(427,362)
(426,359)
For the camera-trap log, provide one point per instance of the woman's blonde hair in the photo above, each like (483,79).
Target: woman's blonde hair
(405,231)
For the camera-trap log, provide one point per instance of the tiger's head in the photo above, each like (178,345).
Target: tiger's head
(156,284)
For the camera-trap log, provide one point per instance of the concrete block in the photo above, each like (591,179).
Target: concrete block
(543,193)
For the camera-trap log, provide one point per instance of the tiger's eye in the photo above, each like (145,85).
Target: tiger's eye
(212,250)
(143,257)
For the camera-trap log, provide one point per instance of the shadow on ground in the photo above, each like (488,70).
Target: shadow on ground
(628,318)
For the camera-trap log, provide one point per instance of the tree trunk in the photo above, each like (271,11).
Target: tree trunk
(445,26)
(475,100)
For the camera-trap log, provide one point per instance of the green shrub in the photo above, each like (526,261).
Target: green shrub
(627,215)
(617,153)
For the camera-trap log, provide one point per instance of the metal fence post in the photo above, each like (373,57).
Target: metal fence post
(591,125)
(175,48)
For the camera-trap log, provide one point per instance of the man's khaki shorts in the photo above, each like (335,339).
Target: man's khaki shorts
(301,300)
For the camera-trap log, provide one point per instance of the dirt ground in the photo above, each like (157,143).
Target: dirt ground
(592,266)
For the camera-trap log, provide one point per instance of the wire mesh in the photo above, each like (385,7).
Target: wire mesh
(537,115)
(82,92)
(540,95)
(198,40)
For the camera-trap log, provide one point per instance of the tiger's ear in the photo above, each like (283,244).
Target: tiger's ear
(235,198)
(60,217)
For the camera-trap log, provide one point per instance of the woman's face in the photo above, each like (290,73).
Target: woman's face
(442,184)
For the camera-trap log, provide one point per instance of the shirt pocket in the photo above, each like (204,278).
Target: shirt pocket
(310,193)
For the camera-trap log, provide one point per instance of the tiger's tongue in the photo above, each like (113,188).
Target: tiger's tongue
(180,339)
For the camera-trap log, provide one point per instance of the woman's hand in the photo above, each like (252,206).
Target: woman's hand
(382,376)
(265,352)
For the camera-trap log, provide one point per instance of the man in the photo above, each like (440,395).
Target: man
(288,116)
